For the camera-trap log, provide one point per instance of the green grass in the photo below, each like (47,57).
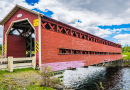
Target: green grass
(38,87)
(0,52)
(33,52)
(126,57)
(3,71)
(6,75)
(125,53)
(16,70)
(23,69)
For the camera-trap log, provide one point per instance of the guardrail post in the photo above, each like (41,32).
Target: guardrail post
(33,62)
(10,64)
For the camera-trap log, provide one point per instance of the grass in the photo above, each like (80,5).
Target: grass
(8,79)
(33,52)
(17,70)
(0,52)
(126,57)
(38,87)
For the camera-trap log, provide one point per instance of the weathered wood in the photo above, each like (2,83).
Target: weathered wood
(34,62)
(22,67)
(19,31)
(27,26)
(10,64)
(22,64)
(31,45)
(3,59)
(3,66)
(29,30)
(22,59)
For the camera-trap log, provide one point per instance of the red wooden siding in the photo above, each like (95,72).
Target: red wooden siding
(25,14)
(52,41)
(16,46)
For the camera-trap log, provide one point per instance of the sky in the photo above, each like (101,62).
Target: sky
(108,19)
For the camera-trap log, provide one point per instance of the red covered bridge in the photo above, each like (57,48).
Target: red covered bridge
(28,33)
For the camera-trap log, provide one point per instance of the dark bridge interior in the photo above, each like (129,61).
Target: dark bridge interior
(24,29)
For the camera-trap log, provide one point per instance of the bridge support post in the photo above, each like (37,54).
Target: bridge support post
(10,64)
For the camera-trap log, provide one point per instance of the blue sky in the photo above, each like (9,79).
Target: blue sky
(109,21)
(31,2)
(123,31)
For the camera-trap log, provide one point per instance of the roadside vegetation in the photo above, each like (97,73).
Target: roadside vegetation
(26,79)
(126,55)
(126,52)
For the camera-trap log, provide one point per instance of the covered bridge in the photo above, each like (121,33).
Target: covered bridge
(28,33)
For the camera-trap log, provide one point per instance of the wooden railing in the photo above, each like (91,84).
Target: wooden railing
(14,63)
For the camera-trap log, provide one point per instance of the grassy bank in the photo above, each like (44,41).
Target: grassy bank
(21,79)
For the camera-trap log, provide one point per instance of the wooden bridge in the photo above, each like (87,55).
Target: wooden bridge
(28,33)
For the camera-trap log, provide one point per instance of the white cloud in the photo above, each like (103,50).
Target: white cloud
(123,39)
(1,31)
(1,40)
(90,12)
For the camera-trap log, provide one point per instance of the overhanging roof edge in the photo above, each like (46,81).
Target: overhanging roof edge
(7,17)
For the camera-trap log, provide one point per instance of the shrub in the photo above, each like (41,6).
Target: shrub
(47,75)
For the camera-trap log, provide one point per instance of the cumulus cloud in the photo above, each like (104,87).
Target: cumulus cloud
(1,40)
(1,31)
(90,12)
(123,39)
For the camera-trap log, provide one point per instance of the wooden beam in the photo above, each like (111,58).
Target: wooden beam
(18,31)
(29,30)
(31,45)
(27,26)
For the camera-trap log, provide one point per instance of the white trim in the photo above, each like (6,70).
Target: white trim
(6,38)
(3,40)
(7,32)
(39,32)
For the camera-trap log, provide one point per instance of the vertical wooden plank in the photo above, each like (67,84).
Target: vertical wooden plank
(16,46)
(31,45)
(33,62)
(10,64)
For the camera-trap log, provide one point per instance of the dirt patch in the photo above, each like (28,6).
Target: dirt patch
(24,78)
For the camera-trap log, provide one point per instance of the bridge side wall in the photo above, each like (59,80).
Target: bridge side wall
(52,41)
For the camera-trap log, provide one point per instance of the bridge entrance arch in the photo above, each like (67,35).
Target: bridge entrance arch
(20,39)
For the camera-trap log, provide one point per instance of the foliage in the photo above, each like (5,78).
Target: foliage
(8,80)
(8,84)
(3,71)
(127,57)
(47,75)
(56,81)
(22,69)
(126,49)
(101,85)
(33,52)
(38,87)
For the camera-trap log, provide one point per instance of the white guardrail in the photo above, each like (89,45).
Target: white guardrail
(11,63)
